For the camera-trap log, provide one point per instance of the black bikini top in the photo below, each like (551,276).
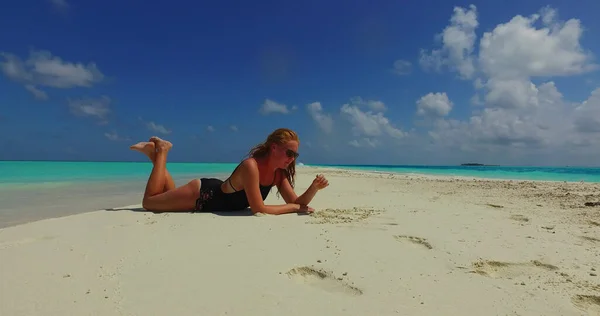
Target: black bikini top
(261,186)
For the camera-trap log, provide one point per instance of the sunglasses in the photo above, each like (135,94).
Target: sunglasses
(291,154)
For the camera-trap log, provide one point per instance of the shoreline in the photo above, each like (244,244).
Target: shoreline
(332,171)
(417,175)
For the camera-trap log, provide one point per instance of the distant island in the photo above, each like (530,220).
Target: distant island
(477,164)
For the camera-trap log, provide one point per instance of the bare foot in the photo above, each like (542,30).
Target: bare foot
(161,144)
(146,148)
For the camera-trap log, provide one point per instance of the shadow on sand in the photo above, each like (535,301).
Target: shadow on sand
(244,212)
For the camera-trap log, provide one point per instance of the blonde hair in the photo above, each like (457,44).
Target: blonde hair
(279,136)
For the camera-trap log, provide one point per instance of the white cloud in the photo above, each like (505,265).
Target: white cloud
(373,105)
(37,93)
(529,128)
(44,69)
(476,100)
(458,40)
(324,121)
(586,116)
(233,128)
(158,128)
(369,127)
(114,136)
(402,67)
(270,106)
(210,128)
(369,124)
(365,142)
(98,108)
(517,49)
(154,127)
(515,117)
(434,104)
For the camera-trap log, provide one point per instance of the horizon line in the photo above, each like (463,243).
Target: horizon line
(314,164)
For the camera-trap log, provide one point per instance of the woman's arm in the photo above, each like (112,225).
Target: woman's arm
(289,196)
(307,196)
(250,176)
(285,188)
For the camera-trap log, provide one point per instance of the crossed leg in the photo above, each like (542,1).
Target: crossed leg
(149,149)
(159,196)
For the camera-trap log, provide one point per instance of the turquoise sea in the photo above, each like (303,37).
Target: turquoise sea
(570,174)
(35,190)
(31,172)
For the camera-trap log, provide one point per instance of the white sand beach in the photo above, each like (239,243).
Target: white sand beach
(377,244)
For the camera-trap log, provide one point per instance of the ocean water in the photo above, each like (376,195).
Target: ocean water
(30,172)
(569,174)
(56,174)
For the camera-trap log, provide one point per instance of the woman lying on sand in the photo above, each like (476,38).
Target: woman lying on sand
(270,163)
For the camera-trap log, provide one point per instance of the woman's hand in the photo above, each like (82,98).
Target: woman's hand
(320,182)
(303,208)
(306,209)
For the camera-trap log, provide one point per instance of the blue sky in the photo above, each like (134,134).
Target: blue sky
(392,82)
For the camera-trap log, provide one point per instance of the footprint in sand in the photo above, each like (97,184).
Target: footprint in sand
(592,239)
(421,242)
(509,270)
(587,303)
(323,280)
(519,218)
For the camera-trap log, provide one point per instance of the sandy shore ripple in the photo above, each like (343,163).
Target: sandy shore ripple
(378,244)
